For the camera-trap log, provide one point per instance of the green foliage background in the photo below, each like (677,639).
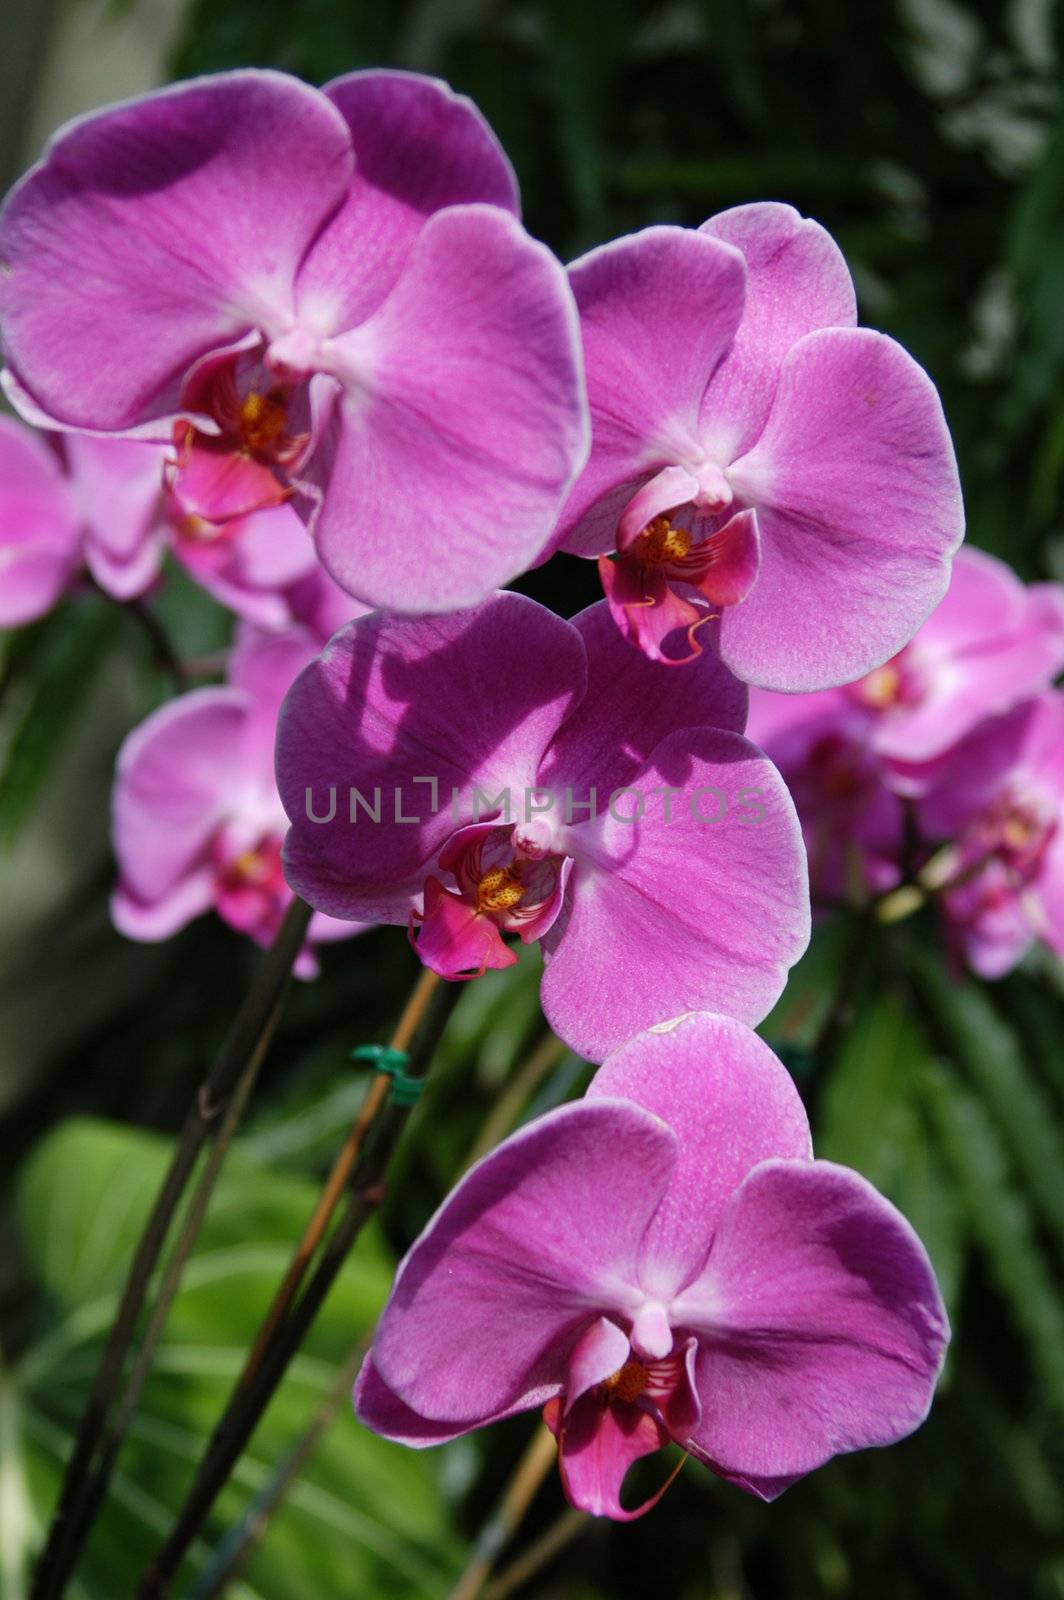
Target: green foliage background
(928,136)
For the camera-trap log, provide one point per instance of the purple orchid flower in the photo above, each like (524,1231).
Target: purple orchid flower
(991,643)
(851,755)
(502,770)
(72,505)
(757,461)
(999,801)
(322,291)
(852,821)
(87,504)
(197,822)
(664,1261)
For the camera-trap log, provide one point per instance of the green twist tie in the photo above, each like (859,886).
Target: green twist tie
(405,1089)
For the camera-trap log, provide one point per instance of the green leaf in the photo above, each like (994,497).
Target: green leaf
(44,690)
(1000,1218)
(365,1517)
(981,1042)
(872,1119)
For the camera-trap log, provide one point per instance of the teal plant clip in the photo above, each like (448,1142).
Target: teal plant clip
(405,1089)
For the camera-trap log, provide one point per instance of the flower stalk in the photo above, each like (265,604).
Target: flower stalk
(106,1417)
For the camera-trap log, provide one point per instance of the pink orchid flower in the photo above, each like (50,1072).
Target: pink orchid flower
(84,504)
(852,821)
(72,504)
(848,754)
(992,642)
(664,1261)
(999,801)
(316,291)
(503,771)
(757,461)
(197,822)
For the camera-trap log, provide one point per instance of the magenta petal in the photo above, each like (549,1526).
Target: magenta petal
(796,281)
(724,567)
(820,1324)
(646,610)
(118,486)
(40,533)
(155,230)
(990,643)
(249,565)
(214,479)
(731,1103)
(378,1408)
(178,775)
(393,699)
(658,311)
(418,147)
(687,914)
(463,421)
(537,1240)
(601,1350)
(859,507)
(597,1445)
(630,705)
(454,940)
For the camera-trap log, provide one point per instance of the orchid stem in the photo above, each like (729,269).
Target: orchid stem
(502,1524)
(234,1550)
(365,1189)
(228,1084)
(566,1527)
(377,1093)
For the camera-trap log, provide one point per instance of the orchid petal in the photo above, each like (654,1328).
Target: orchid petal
(462,423)
(538,1239)
(418,147)
(718,895)
(820,1324)
(858,502)
(658,311)
(156,230)
(731,1103)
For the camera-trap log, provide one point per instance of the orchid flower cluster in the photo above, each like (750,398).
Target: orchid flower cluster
(944,766)
(300,339)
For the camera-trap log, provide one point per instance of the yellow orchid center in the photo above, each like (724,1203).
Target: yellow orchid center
(660,542)
(500,889)
(627,1383)
(881,688)
(262,421)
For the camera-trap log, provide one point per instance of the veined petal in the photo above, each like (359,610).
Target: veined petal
(724,567)
(378,1408)
(453,939)
(797,280)
(731,1103)
(156,230)
(820,1324)
(471,700)
(538,1240)
(597,1443)
(658,312)
(462,423)
(418,147)
(631,704)
(705,911)
(859,506)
